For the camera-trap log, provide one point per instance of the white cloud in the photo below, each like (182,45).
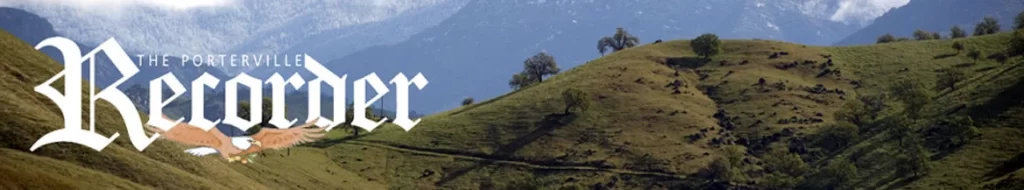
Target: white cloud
(864,11)
(107,4)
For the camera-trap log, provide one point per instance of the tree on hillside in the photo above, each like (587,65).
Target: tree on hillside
(1016,43)
(621,40)
(520,80)
(837,136)
(912,95)
(780,160)
(350,115)
(949,79)
(706,45)
(467,101)
(539,66)
(920,34)
(1018,22)
(838,173)
(873,104)
(914,158)
(854,112)
(575,99)
(720,170)
(957,32)
(887,38)
(988,25)
(958,47)
(936,36)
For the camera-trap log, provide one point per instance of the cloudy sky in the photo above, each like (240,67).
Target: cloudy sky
(864,10)
(107,4)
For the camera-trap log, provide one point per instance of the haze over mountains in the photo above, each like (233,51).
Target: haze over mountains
(936,16)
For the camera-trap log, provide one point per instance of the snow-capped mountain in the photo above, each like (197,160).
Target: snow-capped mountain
(322,28)
(475,51)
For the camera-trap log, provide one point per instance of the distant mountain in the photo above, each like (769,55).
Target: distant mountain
(936,16)
(26,26)
(475,51)
(324,29)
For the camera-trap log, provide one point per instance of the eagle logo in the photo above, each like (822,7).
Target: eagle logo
(239,148)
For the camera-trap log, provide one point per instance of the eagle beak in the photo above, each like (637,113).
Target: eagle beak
(257,143)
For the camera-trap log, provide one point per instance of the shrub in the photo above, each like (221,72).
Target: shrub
(575,99)
(720,170)
(839,173)
(922,35)
(780,161)
(467,101)
(1016,43)
(949,79)
(912,95)
(958,46)
(854,112)
(706,45)
(887,38)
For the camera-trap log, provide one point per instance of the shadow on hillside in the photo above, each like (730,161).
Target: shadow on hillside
(1011,97)
(943,56)
(1009,166)
(548,124)
(686,62)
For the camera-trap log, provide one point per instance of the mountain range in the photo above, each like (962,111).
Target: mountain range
(936,16)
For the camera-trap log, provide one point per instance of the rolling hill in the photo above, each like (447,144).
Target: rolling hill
(941,14)
(659,117)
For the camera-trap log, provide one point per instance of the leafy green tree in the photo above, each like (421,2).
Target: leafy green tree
(914,158)
(900,129)
(539,66)
(621,40)
(949,79)
(873,104)
(936,36)
(720,170)
(1017,43)
(575,99)
(837,136)
(912,95)
(521,80)
(1018,22)
(958,46)
(706,45)
(957,32)
(955,130)
(854,112)
(467,101)
(988,25)
(920,34)
(887,38)
(839,173)
(780,160)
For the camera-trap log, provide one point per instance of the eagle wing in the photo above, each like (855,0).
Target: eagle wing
(191,135)
(284,138)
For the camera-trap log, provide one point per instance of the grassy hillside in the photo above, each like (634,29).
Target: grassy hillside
(27,115)
(641,132)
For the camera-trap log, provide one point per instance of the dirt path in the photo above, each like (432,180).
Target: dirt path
(513,162)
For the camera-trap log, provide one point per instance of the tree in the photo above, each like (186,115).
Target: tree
(720,170)
(350,115)
(621,40)
(873,104)
(988,25)
(467,101)
(575,99)
(953,131)
(936,36)
(958,46)
(706,45)
(780,160)
(887,38)
(1018,22)
(520,80)
(914,158)
(949,79)
(957,32)
(854,112)
(838,173)
(837,136)
(912,95)
(1016,43)
(920,34)
(539,66)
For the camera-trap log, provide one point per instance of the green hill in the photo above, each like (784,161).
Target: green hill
(659,117)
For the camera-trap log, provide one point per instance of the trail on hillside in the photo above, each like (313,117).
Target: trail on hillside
(494,160)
